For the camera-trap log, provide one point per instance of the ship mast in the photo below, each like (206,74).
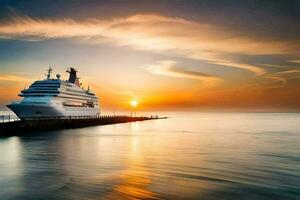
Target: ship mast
(49,71)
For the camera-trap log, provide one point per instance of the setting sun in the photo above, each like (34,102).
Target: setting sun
(134,103)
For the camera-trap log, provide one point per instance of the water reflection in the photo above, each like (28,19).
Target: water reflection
(11,166)
(135,180)
(203,156)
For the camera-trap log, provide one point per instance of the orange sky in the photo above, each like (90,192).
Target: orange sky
(179,61)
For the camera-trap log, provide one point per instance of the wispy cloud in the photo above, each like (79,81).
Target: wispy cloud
(148,32)
(6,77)
(169,68)
(171,35)
(252,68)
(282,78)
(295,61)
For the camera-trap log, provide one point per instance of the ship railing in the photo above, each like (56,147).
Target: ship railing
(15,101)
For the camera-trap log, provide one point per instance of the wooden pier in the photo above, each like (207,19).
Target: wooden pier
(21,127)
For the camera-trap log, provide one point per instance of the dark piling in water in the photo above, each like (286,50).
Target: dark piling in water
(21,127)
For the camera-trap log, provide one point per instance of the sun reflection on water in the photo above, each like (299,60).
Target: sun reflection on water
(135,180)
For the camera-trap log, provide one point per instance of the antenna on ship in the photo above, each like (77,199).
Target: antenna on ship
(49,71)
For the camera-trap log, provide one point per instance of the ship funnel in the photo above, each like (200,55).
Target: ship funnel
(73,76)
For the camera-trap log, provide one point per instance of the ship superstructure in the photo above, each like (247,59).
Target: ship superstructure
(56,98)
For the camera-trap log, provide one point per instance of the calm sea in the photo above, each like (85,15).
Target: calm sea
(189,156)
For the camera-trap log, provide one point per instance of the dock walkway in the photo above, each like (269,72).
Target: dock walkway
(21,127)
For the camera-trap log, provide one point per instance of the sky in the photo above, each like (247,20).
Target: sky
(189,55)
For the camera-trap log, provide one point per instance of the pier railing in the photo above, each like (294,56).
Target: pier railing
(24,126)
(11,118)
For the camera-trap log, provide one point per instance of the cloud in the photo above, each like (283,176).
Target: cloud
(170,35)
(252,68)
(295,61)
(289,72)
(148,32)
(5,77)
(283,78)
(169,68)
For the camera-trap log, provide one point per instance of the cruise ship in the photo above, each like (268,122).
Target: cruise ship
(53,97)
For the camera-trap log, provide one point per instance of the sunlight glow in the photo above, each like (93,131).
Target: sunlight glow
(134,103)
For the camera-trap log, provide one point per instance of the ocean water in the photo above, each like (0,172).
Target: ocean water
(188,156)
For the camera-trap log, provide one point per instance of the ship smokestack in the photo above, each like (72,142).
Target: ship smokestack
(73,77)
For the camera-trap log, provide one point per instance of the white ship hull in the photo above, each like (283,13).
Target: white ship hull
(40,111)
